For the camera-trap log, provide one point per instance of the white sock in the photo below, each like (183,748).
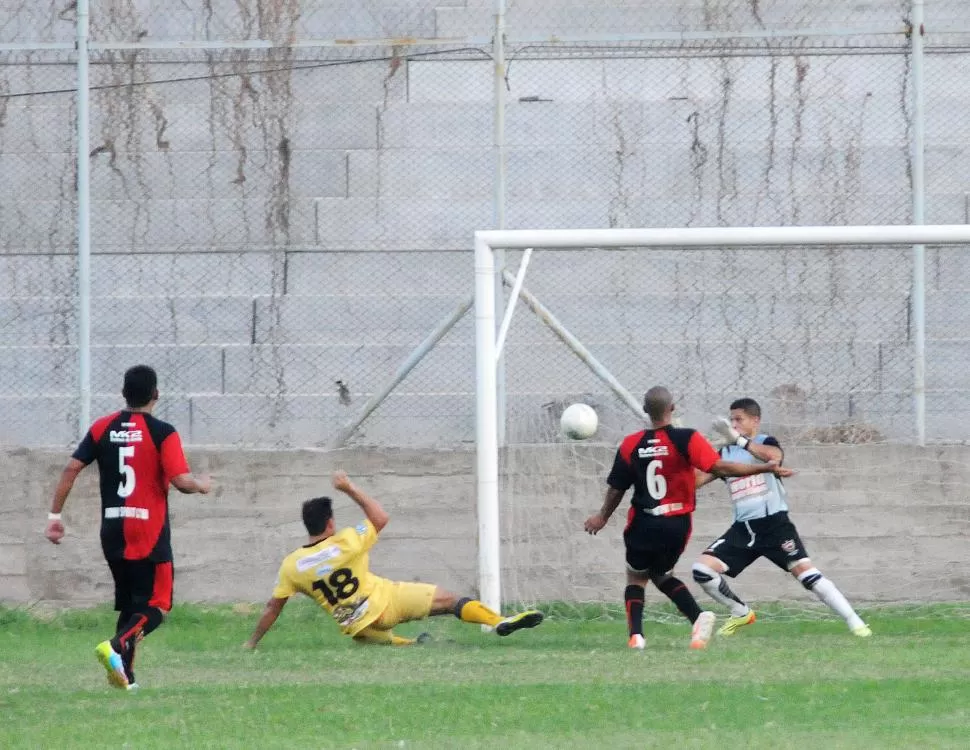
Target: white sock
(827,592)
(719,591)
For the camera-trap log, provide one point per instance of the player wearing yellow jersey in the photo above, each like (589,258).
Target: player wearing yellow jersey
(334,570)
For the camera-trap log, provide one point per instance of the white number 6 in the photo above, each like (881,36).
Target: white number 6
(127,485)
(656,484)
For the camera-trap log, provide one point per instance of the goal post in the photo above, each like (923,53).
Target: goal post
(488,318)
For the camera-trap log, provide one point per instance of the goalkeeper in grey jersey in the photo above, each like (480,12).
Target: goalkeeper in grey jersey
(761,526)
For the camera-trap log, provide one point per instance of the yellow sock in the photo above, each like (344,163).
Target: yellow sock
(474,611)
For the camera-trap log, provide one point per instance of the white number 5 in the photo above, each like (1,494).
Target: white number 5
(656,484)
(127,485)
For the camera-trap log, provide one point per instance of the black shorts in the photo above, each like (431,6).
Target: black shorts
(142,583)
(654,544)
(774,538)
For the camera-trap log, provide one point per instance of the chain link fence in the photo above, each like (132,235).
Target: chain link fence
(278,226)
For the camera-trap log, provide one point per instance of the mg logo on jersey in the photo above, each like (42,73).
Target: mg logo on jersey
(653,451)
(125,436)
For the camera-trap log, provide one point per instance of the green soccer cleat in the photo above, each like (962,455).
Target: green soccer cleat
(862,631)
(113,665)
(736,623)
(528,619)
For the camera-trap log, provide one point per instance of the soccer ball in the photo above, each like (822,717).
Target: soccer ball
(579,422)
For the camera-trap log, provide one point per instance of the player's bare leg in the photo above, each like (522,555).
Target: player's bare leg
(471,610)
(383,637)
(812,579)
(707,573)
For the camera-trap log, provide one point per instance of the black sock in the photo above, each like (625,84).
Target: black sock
(138,625)
(633,598)
(127,654)
(461,605)
(675,590)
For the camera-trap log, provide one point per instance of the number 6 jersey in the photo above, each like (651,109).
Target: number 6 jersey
(660,464)
(335,572)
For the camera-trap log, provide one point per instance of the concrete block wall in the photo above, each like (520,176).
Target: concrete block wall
(850,503)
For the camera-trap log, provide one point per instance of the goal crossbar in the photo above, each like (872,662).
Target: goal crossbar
(487,241)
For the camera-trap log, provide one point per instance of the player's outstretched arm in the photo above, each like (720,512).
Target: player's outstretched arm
(702,477)
(270,612)
(734,469)
(55,527)
(598,520)
(372,509)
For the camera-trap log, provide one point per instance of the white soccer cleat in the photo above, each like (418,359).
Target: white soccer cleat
(637,641)
(702,631)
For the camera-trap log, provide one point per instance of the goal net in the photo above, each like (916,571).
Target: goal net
(824,335)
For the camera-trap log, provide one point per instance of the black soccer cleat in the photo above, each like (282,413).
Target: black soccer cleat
(528,619)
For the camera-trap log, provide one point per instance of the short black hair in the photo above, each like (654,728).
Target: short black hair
(317,514)
(748,405)
(656,401)
(141,386)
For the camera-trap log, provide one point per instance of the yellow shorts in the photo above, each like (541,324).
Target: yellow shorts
(406,602)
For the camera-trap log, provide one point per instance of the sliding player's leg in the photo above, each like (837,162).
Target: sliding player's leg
(471,610)
(417,601)
(374,635)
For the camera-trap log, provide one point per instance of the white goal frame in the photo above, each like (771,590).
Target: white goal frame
(488,348)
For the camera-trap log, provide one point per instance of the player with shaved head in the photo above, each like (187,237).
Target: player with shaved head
(659,463)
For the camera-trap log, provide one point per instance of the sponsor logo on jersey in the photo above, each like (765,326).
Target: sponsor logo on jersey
(653,451)
(743,487)
(361,529)
(347,614)
(125,511)
(125,436)
(317,558)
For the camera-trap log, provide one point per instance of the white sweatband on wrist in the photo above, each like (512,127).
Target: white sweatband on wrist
(53,516)
(742,441)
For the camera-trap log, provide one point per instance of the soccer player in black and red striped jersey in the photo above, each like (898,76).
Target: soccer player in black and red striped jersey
(659,464)
(138,457)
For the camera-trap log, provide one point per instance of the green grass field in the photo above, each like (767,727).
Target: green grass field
(566,684)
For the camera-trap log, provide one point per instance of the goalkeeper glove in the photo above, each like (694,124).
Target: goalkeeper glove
(723,426)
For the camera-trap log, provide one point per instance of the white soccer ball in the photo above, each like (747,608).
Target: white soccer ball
(579,422)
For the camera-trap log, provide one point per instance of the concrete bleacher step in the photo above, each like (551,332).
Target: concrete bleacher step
(381,319)
(536,362)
